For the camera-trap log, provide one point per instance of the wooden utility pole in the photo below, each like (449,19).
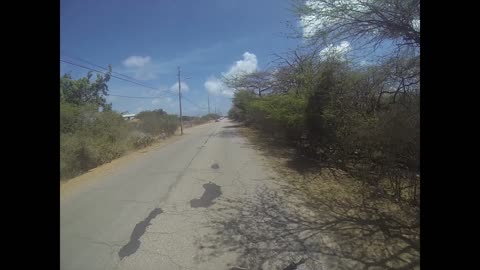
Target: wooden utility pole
(180,101)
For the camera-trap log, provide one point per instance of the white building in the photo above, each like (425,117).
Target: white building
(128,116)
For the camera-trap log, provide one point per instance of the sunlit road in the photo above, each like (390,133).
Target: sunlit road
(151,212)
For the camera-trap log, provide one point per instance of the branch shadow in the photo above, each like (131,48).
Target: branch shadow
(274,230)
(291,159)
(278,147)
(235,126)
(269,146)
(303,165)
(227,133)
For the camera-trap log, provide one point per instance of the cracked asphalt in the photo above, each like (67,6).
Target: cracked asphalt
(140,215)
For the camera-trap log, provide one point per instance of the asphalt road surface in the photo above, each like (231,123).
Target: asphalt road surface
(149,212)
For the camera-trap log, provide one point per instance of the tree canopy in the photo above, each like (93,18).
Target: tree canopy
(85,90)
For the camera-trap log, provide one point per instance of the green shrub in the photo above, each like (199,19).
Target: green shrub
(281,115)
(346,116)
(140,140)
(89,138)
(156,123)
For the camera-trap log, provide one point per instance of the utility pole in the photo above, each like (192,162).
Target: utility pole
(180,101)
(208,102)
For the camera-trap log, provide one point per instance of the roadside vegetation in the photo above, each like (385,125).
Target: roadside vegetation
(342,128)
(318,216)
(189,121)
(91,133)
(362,118)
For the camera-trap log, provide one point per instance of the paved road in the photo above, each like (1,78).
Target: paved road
(147,213)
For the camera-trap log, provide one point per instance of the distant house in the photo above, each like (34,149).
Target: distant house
(128,116)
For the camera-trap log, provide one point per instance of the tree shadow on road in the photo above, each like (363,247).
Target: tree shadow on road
(267,145)
(328,228)
(227,133)
(235,126)
(281,149)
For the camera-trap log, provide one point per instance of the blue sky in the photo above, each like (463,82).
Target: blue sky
(147,40)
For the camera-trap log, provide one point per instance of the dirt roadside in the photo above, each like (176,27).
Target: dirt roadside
(332,220)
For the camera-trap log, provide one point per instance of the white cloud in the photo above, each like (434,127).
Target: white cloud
(174,87)
(216,87)
(338,51)
(312,23)
(136,61)
(416,25)
(140,67)
(323,15)
(145,68)
(247,65)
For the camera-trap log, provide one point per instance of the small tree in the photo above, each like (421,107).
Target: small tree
(85,91)
(255,82)
(241,100)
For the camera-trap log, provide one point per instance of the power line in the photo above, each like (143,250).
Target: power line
(141,97)
(203,108)
(123,79)
(114,72)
